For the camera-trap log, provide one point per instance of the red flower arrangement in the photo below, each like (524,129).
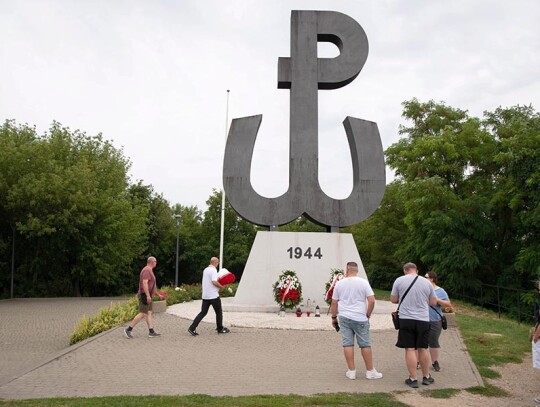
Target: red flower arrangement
(225,277)
(160,296)
(335,276)
(288,290)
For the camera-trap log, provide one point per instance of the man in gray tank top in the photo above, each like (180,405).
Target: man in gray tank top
(414,324)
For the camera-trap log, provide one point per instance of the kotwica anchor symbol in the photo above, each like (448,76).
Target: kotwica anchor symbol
(304,74)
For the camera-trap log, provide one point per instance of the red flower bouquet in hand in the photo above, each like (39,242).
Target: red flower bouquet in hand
(225,277)
(161,295)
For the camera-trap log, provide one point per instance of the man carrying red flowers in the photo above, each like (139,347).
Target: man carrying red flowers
(210,297)
(147,288)
(355,300)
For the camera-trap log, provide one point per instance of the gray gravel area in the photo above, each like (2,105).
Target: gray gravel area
(380,320)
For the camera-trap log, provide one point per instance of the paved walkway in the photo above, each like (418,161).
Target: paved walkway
(248,361)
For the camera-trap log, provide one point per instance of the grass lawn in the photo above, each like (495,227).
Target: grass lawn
(341,399)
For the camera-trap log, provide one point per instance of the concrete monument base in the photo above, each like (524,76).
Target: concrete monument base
(311,255)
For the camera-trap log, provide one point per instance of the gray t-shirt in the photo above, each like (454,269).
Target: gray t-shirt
(416,303)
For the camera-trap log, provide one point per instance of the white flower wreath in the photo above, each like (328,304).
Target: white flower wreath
(288,290)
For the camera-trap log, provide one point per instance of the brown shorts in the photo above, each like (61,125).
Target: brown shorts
(142,307)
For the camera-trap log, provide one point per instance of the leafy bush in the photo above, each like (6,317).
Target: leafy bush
(105,319)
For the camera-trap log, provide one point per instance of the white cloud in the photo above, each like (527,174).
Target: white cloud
(152,76)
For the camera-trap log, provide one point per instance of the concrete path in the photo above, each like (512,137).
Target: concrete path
(33,331)
(248,361)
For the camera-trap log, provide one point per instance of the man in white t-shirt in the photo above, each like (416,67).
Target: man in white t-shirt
(210,296)
(355,300)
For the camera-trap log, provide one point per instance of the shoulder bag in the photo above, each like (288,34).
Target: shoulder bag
(443,318)
(395,314)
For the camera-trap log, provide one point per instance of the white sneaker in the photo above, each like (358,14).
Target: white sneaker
(373,374)
(351,374)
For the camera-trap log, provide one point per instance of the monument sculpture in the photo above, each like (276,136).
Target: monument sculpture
(304,73)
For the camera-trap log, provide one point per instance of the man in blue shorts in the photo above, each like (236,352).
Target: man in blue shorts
(355,300)
(413,334)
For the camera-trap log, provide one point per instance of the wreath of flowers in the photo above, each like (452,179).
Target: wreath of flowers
(287,290)
(335,276)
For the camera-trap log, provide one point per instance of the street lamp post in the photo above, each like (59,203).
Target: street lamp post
(177,217)
(13,227)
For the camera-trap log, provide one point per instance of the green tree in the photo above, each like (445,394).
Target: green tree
(380,238)
(470,192)
(516,203)
(66,194)
(159,232)
(441,159)
(238,235)
(193,251)
(16,143)
(302,224)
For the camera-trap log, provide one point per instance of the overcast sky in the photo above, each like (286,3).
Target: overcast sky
(152,77)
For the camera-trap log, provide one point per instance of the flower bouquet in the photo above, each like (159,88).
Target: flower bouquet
(160,296)
(335,276)
(288,290)
(225,277)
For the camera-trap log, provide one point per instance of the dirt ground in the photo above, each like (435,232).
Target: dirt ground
(521,381)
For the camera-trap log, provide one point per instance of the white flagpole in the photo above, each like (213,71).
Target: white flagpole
(222,232)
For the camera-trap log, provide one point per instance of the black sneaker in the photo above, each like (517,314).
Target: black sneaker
(192,331)
(427,380)
(411,383)
(127,333)
(436,366)
(224,331)
(153,334)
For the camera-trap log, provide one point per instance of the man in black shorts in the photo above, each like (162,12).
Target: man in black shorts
(414,325)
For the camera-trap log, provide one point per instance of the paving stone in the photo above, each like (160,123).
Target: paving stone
(247,361)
